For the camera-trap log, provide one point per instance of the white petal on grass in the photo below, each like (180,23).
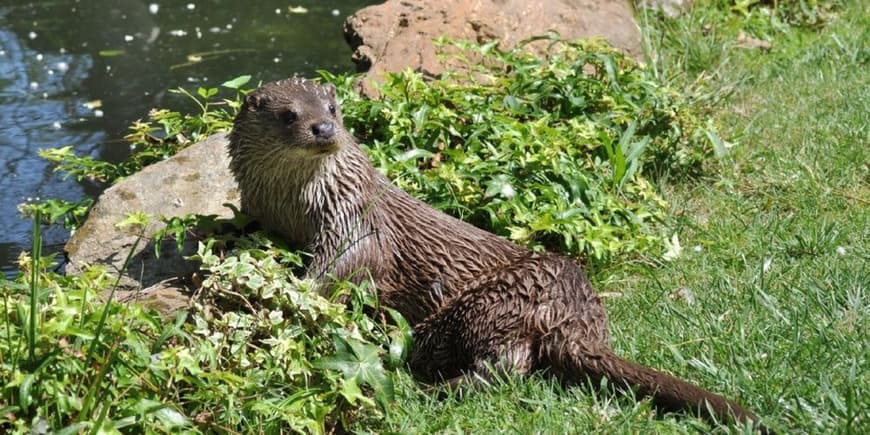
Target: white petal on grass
(674,250)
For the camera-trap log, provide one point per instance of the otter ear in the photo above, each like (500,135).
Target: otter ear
(255,102)
(330,89)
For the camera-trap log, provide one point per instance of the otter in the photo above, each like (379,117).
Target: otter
(476,301)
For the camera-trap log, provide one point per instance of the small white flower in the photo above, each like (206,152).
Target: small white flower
(841,250)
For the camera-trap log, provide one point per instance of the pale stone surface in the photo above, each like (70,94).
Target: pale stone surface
(197,180)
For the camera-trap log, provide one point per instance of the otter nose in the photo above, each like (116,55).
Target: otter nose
(323,129)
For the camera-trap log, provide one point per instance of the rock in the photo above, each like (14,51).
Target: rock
(197,180)
(398,34)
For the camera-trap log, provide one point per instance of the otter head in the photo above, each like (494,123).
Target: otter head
(295,116)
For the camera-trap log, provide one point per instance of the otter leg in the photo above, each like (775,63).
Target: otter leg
(499,324)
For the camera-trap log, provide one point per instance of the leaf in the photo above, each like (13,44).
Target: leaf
(401,339)
(24,397)
(414,154)
(360,361)
(500,185)
(72,429)
(136,221)
(720,147)
(511,102)
(206,93)
(237,82)
(352,393)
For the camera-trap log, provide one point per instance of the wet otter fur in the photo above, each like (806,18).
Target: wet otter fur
(475,300)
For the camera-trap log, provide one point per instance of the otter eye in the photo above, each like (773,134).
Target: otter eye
(332,108)
(289,117)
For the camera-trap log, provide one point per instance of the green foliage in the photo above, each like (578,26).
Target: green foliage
(274,355)
(164,133)
(554,154)
(798,13)
(286,356)
(550,153)
(51,211)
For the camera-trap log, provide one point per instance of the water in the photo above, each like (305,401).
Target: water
(57,56)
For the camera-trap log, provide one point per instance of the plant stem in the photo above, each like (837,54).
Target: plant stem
(36,254)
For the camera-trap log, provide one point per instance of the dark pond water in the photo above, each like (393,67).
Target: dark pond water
(58,55)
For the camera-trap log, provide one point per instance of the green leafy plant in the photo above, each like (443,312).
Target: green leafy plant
(260,348)
(70,214)
(551,153)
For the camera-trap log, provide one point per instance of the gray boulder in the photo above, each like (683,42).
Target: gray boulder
(197,180)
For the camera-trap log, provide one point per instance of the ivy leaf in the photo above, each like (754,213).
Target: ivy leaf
(500,185)
(360,362)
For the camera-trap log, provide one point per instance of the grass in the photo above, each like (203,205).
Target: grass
(768,302)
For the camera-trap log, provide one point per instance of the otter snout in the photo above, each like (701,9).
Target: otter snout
(323,130)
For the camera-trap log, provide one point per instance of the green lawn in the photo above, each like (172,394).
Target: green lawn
(767,302)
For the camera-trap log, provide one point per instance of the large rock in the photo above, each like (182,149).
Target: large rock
(398,34)
(197,180)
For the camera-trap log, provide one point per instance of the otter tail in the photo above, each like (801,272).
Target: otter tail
(667,392)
